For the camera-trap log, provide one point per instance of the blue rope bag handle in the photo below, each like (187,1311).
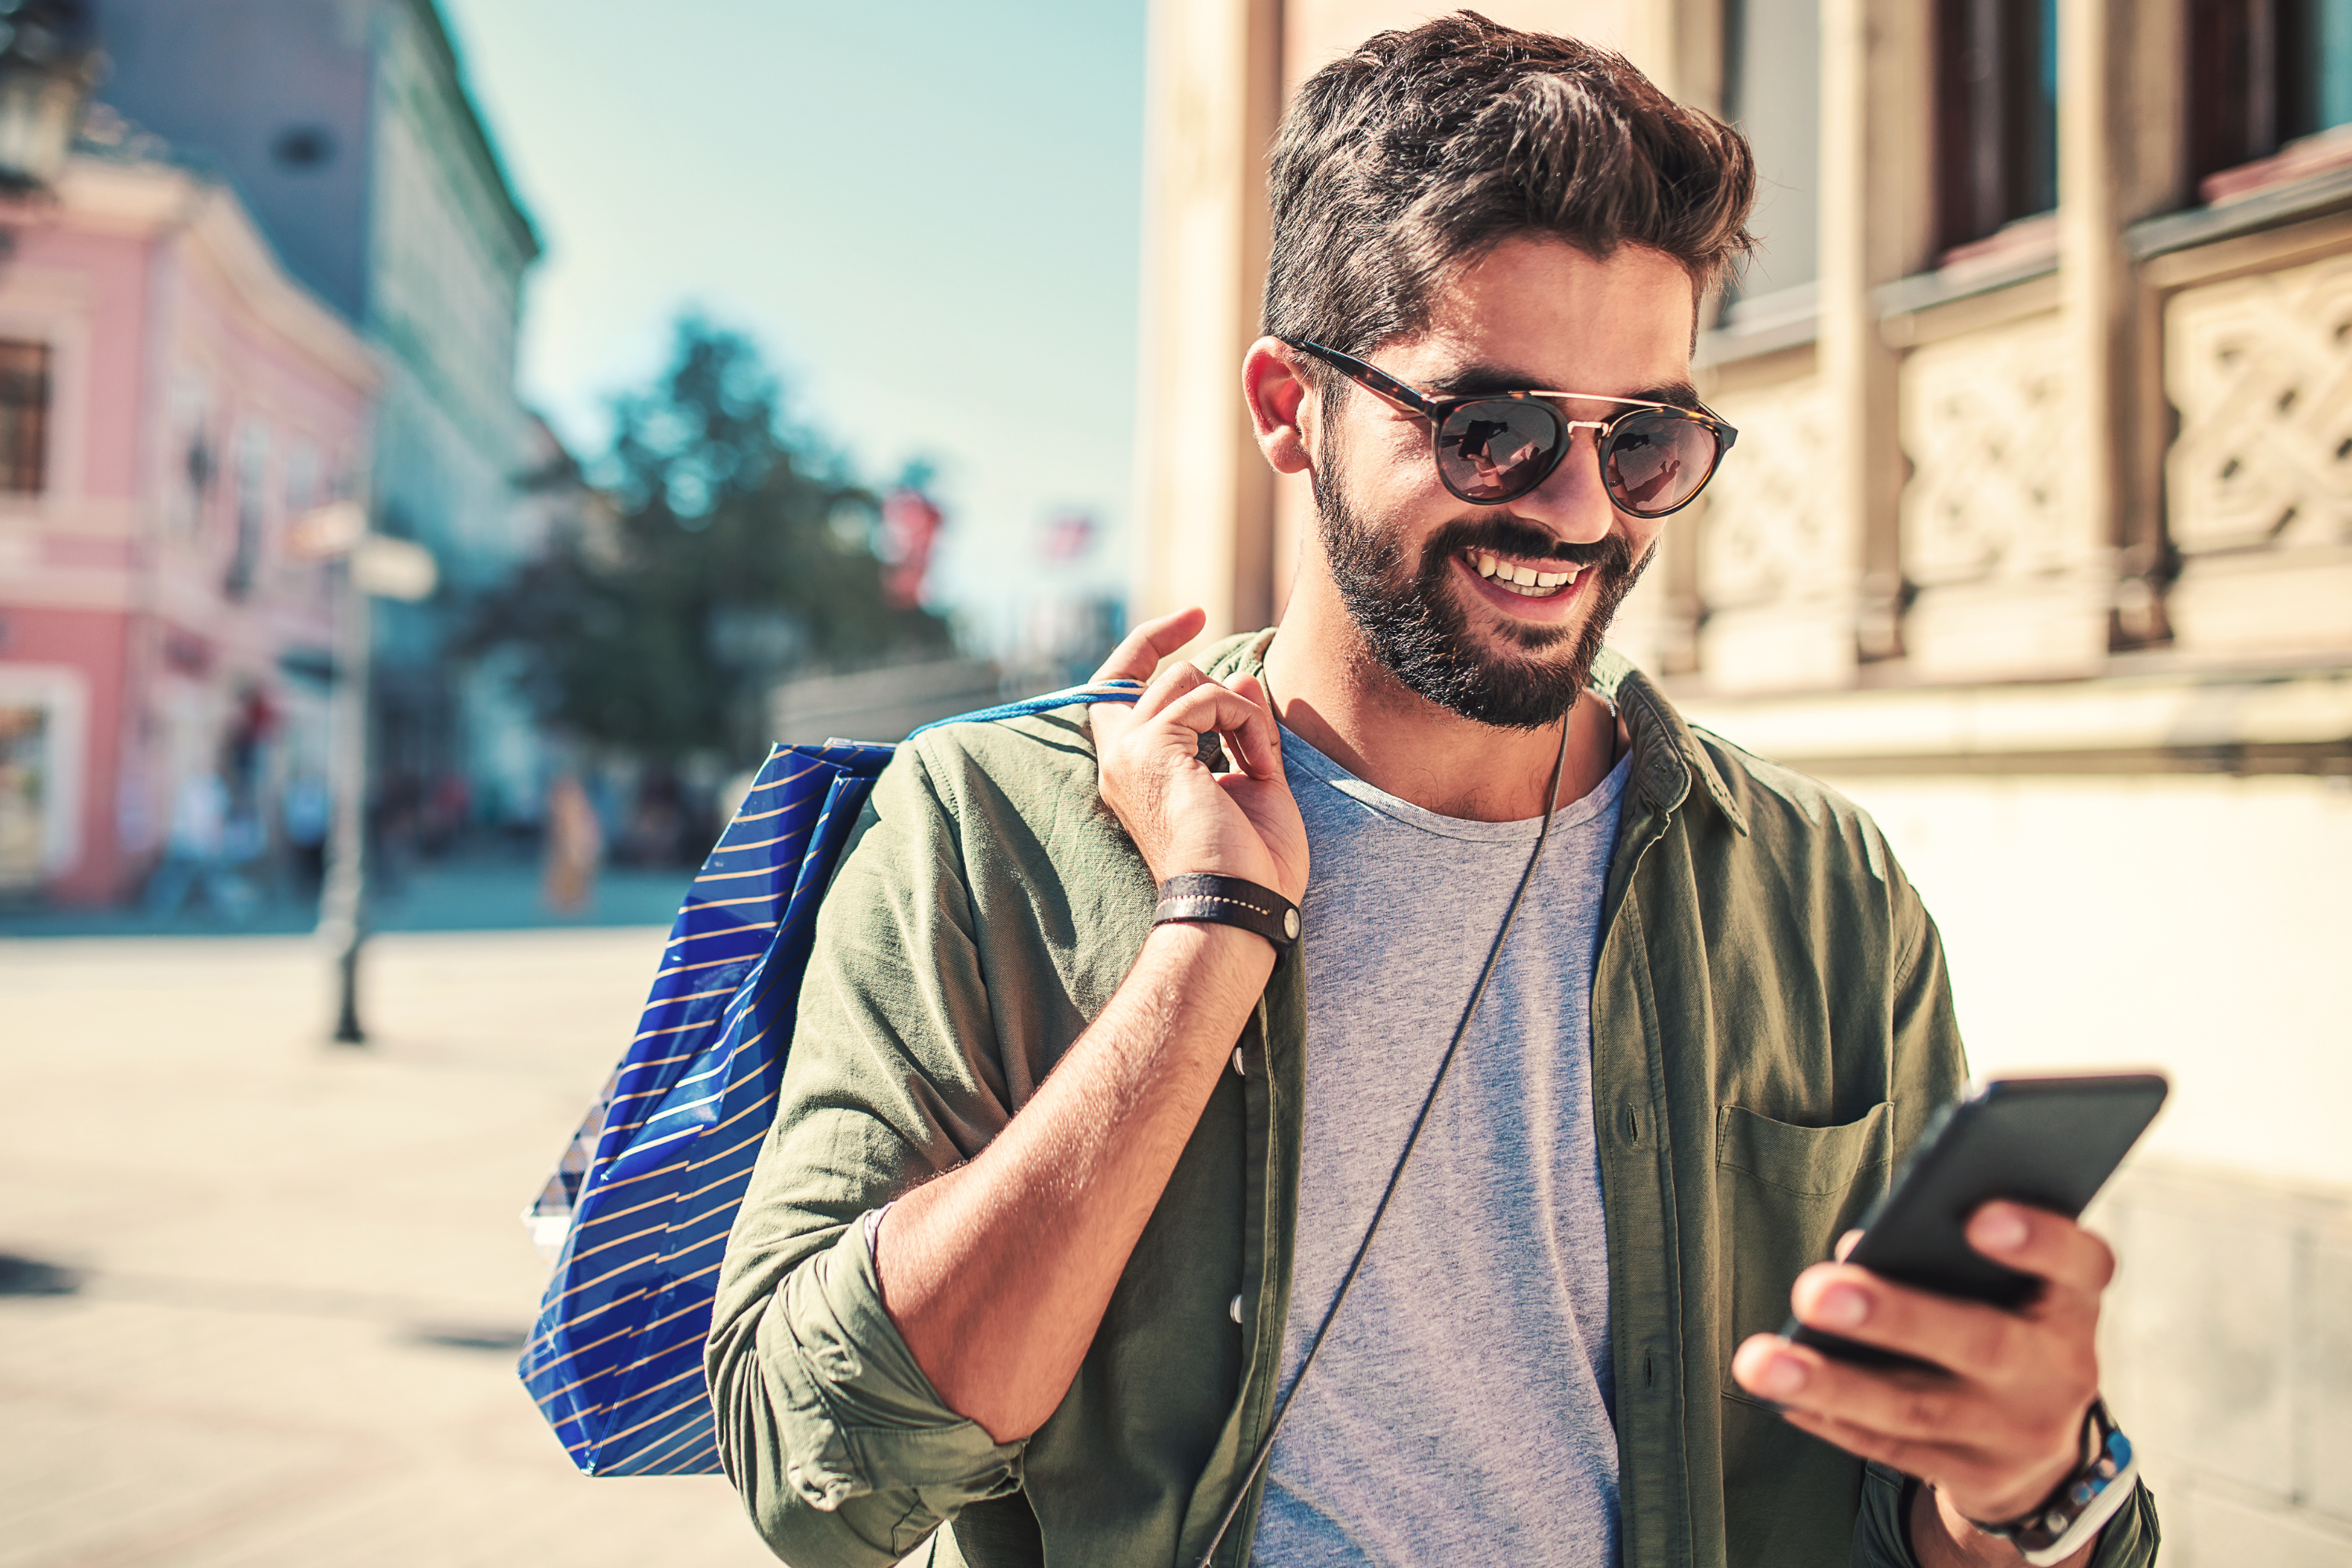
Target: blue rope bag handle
(1028,707)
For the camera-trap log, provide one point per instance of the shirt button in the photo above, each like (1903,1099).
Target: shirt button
(1238,1068)
(1235,1308)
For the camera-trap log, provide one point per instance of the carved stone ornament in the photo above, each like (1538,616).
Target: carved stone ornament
(2261,370)
(1772,529)
(1987,426)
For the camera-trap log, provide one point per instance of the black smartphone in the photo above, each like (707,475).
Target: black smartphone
(2049,1143)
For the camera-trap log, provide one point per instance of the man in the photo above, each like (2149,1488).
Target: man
(1059,1200)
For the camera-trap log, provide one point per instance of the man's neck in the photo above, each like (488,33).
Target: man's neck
(1329,689)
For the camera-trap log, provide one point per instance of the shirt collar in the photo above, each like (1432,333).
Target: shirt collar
(1666,751)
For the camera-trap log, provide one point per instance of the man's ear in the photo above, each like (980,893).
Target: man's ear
(1283,406)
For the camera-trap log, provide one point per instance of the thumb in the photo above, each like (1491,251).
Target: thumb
(1138,654)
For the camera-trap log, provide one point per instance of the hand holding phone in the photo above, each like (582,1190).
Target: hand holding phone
(1955,1338)
(2047,1142)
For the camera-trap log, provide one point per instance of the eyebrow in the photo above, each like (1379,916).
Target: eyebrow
(1484,380)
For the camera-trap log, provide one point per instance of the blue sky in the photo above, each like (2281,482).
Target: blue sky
(928,216)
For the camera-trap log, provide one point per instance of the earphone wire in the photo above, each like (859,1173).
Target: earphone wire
(1413,1138)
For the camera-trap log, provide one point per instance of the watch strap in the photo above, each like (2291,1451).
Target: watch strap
(1228,900)
(2065,1521)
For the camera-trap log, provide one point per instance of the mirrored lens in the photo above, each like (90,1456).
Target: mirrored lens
(1658,461)
(1496,450)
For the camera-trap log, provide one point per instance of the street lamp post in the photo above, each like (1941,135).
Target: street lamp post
(342,898)
(371,566)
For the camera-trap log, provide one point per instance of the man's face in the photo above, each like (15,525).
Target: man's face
(1406,554)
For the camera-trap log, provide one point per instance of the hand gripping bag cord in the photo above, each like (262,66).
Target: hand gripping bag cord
(639,1211)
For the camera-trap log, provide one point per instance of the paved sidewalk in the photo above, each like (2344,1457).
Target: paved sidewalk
(261,1297)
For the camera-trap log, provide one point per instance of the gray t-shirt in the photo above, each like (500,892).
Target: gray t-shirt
(1460,1411)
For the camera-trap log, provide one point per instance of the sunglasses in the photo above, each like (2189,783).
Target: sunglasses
(1497,447)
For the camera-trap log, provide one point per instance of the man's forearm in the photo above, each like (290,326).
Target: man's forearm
(997,1273)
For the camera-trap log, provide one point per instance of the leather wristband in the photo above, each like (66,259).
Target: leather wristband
(2065,1520)
(1228,902)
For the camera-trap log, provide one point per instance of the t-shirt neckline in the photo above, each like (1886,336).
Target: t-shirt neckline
(1296,754)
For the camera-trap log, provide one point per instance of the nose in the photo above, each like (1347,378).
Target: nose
(1571,502)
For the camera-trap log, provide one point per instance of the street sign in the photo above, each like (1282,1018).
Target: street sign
(388,568)
(327,532)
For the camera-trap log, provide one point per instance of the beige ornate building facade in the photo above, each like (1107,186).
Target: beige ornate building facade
(2037,541)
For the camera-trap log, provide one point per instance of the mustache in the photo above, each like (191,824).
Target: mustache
(1510,536)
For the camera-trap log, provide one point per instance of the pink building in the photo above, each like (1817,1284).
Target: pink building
(170,401)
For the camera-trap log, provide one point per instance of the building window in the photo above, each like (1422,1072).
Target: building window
(192,465)
(1996,115)
(1772,91)
(24,416)
(24,797)
(252,495)
(2262,73)
(302,487)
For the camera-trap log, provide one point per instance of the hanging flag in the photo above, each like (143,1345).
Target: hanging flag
(910,525)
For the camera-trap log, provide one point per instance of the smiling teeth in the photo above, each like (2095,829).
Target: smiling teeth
(1521,578)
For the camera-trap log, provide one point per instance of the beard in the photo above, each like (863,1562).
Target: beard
(1413,621)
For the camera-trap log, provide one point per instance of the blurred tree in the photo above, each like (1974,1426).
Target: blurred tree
(732,550)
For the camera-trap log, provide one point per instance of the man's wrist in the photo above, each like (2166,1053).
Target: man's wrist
(1949,1537)
(1215,950)
(2066,1523)
(1944,1537)
(2029,1495)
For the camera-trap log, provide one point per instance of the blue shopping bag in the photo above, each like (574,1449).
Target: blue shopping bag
(637,1213)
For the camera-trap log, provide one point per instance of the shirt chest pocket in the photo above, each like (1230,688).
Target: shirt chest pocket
(1784,1194)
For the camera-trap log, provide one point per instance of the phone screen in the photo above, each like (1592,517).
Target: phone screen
(2048,1143)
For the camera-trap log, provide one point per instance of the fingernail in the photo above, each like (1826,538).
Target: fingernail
(2001,1230)
(1842,1308)
(1780,1377)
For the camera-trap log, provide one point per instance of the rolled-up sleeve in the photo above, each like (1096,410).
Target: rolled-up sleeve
(849,1453)
(842,1450)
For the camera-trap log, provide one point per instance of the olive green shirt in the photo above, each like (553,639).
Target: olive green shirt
(1772,1026)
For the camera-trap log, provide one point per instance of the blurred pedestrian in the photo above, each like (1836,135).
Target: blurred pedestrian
(308,810)
(448,808)
(575,847)
(196,860)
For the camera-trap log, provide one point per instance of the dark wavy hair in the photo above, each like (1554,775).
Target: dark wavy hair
(1408,160)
